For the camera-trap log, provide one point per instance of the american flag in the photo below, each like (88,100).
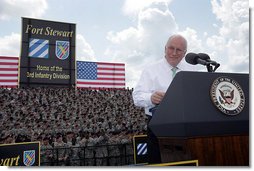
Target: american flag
(100,75)
(9,71)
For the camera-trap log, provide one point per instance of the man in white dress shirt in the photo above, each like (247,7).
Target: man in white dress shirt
(154,82)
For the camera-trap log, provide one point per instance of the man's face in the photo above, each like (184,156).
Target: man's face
(46,142)
(175,51)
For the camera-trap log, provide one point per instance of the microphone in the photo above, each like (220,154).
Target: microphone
(207,58)
(203,59)
(203,56)
(194,59)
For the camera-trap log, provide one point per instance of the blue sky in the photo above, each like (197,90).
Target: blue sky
(134,32)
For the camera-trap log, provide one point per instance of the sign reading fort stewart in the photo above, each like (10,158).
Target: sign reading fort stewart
(20,154)
(47,53)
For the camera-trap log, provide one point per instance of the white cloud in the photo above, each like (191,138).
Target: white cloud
(133,7)
(230,47)
(84,51)
(143,44)
(233,39)
(24,8)
(251,4)
(10,45)
(194,43)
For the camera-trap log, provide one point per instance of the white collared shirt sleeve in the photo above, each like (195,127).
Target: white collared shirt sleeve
(156,77)
(142,92)
(153,78)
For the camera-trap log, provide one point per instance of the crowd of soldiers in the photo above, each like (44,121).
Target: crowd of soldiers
(70,119)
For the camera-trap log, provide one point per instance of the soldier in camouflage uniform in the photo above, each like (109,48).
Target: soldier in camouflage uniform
(82,144)
(74,150)
(114,152)
(46,152)
(90,151)
(61,154)
(101,151)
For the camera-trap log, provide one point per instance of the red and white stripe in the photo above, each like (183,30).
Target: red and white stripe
(109,75)
(9,71)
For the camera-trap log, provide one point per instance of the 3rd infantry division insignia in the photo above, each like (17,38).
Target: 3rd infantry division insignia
(38,48)
(142,149)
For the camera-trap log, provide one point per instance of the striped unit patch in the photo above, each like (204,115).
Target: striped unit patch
(62,49)
(38,48)
(142,148)
(29,157)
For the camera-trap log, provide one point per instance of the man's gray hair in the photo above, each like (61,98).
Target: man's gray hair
(180,36)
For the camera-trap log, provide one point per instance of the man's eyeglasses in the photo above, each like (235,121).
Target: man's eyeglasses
(175,50)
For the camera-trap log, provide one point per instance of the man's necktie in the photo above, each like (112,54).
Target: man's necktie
(173,72)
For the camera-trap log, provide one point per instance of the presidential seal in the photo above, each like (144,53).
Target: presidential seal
(227,95)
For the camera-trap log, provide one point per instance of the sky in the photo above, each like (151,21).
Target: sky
(135,32)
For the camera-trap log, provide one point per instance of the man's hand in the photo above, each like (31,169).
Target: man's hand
(157,97)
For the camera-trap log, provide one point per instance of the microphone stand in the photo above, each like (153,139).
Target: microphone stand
(210,68)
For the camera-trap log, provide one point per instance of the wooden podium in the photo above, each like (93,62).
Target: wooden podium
(190,125)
